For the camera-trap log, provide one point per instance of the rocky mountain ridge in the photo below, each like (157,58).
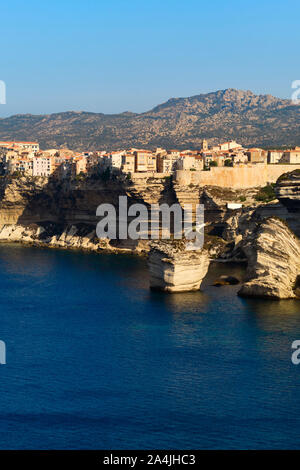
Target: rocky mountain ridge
(260,120)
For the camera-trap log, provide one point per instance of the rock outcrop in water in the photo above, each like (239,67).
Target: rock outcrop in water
(173,269)
(273,253)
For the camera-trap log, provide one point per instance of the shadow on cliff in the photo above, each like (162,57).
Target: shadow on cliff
(61,201)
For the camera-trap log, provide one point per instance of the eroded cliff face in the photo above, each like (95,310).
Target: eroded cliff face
(48,211)
(174,269)
(288,192)
(33,200)
(63,213)
(56,206)
(273,253)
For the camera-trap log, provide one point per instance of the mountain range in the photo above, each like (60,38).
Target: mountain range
(252,120)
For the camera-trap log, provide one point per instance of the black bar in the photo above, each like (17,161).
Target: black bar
(127,459)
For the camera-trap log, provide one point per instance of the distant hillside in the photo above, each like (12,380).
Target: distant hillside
(179,123)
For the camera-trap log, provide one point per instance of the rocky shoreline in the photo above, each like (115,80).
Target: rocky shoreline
(68,239)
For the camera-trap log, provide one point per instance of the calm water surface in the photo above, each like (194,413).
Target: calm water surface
(96,360)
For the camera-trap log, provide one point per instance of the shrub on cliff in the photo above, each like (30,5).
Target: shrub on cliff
(81,176)
(106,175)
(16,174)
(266,194)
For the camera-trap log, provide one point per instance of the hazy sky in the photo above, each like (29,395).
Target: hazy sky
(116,55)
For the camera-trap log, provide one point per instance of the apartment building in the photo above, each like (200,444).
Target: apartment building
(232,144)
(160,151)
(274,156)
(166,164)
(20,165)
(128,163)
(145,161)
(239,157)
(291,156)
(115,160)
(42,166)
(31,146)
(79,165)
(190,162)
(256,155)
(93,161)
(152,163)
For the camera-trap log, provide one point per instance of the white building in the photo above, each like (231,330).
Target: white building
(31,146)
(291,156)
(274,156)
(113,160)
(232,144)
(189,163)
(42,166)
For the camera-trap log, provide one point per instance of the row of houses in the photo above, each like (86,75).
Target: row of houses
(239,155)
(21,158)
(159,161)
(27,158)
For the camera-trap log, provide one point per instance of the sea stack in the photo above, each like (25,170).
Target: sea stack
(172,268)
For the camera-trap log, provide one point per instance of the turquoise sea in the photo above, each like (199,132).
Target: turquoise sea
(97,360)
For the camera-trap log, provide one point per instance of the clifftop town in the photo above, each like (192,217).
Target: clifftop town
(259,120)
(243,167)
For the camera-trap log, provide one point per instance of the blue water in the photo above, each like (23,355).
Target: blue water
(96,360)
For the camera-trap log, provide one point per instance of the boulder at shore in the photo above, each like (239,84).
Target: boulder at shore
(173,269)
(273,253)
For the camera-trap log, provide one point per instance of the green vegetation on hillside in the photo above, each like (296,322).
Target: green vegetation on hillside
(266,194)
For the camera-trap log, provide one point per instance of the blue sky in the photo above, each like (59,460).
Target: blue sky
(116,55)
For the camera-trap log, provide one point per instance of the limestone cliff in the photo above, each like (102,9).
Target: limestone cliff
(273,253)
(42,211)
(173,269)
(36,199)
(63,213)
(56,206)
(288,192)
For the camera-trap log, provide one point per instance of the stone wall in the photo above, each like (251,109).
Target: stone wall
(146,175)
(236,177)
